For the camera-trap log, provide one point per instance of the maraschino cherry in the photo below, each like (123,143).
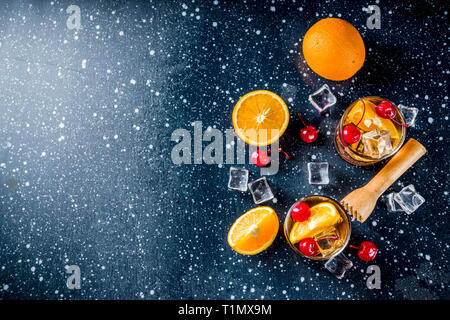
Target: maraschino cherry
(262,159)
(309,247)
(386,110)
(308,133)
(351,134)
(367,250)
(301,212)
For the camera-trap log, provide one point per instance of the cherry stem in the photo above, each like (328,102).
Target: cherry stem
(304,124)
(330,237)
(353,247)
(364,111)
(282,151)
(400,124)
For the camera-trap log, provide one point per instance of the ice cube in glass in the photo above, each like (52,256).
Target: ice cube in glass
(377,143)
(322,99)
(409,114)
(409,199)
(318,173)
(338,265)
(260,190)
(238,179)
(327,240)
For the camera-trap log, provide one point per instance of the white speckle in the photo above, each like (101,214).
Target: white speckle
(33,269)
(83,63)
(272,9)
(258,32)
(5,287)
(214,24)
(430,120)
(427,257)
(43,154)
(61,125)
(152,52)
(133,82)
(121,33)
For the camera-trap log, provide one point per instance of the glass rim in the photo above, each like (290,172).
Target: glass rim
(394,151)
(318,258)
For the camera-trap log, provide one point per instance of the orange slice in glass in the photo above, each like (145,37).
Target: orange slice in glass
(323,215)
(260,117)
(371,120)
(254,231)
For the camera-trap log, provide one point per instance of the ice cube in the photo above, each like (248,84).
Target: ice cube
(409,199)
(409,114)
(322,99)
(318,173)
(260,190)
(391,204)
(238,179)
(338,265)
(327,240)
(377,143)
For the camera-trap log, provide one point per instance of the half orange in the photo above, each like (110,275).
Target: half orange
(254,231)
(260,117)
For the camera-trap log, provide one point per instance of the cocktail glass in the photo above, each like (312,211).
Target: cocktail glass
(331,247)
(380,138)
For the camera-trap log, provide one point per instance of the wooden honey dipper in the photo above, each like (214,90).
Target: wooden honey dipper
(361,202)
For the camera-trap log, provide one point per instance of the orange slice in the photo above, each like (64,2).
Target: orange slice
(254,231)
(260,117)
(323,215)
(371,120)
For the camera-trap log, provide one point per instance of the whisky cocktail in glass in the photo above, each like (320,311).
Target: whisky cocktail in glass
(366,134)
(327,226)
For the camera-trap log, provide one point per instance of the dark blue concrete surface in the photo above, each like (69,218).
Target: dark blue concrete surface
(86,176)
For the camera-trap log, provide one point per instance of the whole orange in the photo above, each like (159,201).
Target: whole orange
(334,49)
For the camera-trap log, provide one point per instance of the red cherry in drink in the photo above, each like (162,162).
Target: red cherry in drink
(386,110)
(308,247)
(260,158)
(351,134)
(367,250)
(301,212)
(309,134)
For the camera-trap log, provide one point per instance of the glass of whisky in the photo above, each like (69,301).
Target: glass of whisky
(372,129)
(325,227)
